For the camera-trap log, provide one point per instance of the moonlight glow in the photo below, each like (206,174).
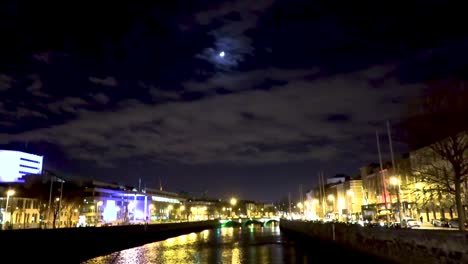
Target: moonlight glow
(221,54)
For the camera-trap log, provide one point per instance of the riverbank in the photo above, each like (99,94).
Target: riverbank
(74,245)
(398,245)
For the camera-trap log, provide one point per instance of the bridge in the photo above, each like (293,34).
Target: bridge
(264,221)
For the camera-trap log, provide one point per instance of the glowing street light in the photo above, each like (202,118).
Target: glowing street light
(182,208)
(233,201)
(394,181)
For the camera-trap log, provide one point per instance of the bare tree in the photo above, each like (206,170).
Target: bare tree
(433,189)
(437,125)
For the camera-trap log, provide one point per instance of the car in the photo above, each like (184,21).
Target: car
(411,222)
(454,223)
(442,222)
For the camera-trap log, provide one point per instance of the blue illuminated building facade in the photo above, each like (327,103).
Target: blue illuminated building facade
(15,164)
(111,204)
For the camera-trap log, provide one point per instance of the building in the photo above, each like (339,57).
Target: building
(353,198)
(106,203)
(18,212)
(205,209)
(340,198)
(16,164)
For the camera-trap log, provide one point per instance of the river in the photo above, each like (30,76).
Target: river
(233,245)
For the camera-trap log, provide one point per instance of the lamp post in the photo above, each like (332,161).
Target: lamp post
(233,203)
(396,182)
(9,193)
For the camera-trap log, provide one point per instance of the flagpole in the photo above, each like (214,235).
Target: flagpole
(382,172)
(50,197)
(320,193)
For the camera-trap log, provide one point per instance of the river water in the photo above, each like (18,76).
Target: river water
(234,245)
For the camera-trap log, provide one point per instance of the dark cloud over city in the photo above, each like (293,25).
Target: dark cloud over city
(230,98)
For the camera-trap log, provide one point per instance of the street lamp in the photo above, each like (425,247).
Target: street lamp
(396,182)
(233,201)
(9,193)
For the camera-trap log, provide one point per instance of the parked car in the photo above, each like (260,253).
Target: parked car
(454,223)
(410,223)
(442,222)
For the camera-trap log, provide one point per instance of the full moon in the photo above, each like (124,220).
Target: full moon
(221,54)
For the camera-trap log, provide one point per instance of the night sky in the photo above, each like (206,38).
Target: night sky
(228,98)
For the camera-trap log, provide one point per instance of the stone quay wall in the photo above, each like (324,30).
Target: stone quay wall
(74,245)
(399,245)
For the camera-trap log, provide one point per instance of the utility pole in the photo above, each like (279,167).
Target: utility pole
(301,200)
(50,197)
(382,172)
(60,199)
(324,197)
(395,172)
(320,192)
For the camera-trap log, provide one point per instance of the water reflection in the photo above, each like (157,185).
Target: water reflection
(228,245)
(224,245)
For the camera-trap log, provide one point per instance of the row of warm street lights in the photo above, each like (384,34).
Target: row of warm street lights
(350,197)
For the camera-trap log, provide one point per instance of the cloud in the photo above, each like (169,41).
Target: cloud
(230,35)
(242,7)
(246,80)
(101,98)
(296,121)
(35,87)
(6,82)
(67,105)
(45,57)
(18,114)
(159,94)
(107,81)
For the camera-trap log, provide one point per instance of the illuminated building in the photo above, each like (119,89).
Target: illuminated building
(204,209)
(105,203)
(16,164)
(21,213)
(353,197)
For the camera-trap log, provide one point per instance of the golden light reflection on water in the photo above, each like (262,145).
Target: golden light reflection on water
(235,255)
(225,245)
